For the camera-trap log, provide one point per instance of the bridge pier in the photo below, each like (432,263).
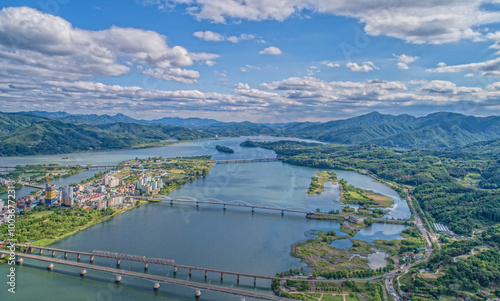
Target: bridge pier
(118,278)
(175,270)
(221,276)
(2,256)
(206,274)
(19,261)
(197,294)
(41,252)
(53,253)
(253,209)
(118,262)
(31,250)
(65,255)
(197,204)
(254,281)
(78,257)
(92,258)
(282,212)
(224,206)
(171,202)
(156,286)
(50,267)
(146,265)
(190,272)
(238,279)
(83,272)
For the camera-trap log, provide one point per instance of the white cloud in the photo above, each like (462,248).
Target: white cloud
(211,36)
(249,68)
(271,50)
(404,60)
(364,67)
(440,86)
(430,21)
(486,68)
(174,74)
(291,99)
(441,64)
(35,44)
(332,65)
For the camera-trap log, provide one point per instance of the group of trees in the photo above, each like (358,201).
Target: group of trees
(35,225)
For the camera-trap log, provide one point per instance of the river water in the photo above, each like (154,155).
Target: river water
(234,240)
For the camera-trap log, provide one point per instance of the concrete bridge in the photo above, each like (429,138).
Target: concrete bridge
(155,279)
(223,204)
(55,167)
(244,160)
(138,258)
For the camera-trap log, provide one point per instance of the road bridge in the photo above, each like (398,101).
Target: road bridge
(156,279)
(146,260)
(223,204)
(244,160)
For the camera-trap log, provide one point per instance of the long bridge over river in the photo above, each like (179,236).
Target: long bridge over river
(28,250)
(224,205)
(52,167)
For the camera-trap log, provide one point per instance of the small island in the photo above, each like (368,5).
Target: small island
(224,149)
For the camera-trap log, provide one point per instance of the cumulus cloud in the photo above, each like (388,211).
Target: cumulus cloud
(285,100)
(332,65)
(174,74)
(431,21)
(404,60)
(271,50)
(211,36)
(486,68)
(364,67)
(36,44)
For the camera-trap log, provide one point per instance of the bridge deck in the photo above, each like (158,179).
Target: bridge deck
(191,284)
(139,258)
(220,203)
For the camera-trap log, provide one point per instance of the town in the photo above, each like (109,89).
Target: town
(111,188)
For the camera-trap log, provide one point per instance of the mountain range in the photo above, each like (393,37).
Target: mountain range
(441,130)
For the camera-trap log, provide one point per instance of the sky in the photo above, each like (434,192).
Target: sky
(262,61)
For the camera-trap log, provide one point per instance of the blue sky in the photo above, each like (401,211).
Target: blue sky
(279,61)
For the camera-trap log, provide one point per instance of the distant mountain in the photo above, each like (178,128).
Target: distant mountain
(98,119)
(245,128)
(44,114)
(27,135)
(185,122)
(435,131)
(155,131)
(483,147)
(14,122)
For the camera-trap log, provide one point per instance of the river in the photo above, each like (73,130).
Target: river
(234,239)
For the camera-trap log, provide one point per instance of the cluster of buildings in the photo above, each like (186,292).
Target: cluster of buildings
(149,185)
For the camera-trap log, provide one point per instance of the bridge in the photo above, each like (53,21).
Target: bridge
(55,167)
(244,160)
(33,186)
(224,204)
(157,279)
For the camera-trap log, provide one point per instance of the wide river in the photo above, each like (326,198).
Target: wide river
(234,240)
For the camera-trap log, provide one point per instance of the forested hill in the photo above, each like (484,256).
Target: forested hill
(435,131)
(27,135)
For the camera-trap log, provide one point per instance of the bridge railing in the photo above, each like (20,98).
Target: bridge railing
(105,254)
(160,261)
